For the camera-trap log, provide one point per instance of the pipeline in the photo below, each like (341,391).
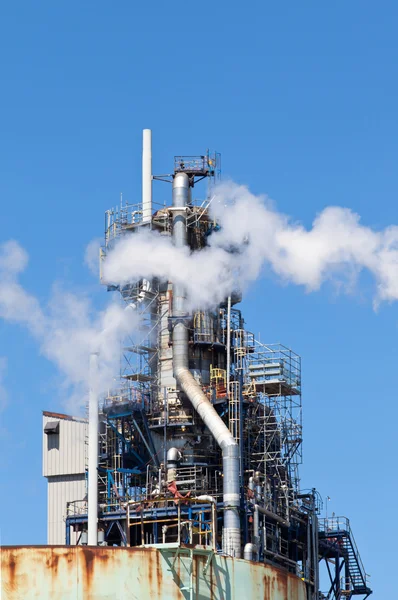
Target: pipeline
(271,516)
(193,391)
(250,552)
(93,428)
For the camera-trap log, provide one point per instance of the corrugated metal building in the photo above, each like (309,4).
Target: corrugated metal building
(64,466)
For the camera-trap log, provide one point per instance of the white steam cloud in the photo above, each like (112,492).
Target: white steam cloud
(254,235)
(68,329)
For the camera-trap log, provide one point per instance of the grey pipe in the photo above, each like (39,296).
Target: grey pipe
(173,456)
(272,516)
(228,343)
(250,552)
(186,382)
(256,525)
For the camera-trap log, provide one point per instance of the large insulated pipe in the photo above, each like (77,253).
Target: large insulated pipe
(186,382)
(146,176)
(250,552)
(93,431)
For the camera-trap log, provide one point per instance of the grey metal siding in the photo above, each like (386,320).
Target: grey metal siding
(62,489)
(65,453)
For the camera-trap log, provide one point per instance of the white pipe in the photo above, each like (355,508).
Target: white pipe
(206,498)
(146,176)
(93,431)
(250,552)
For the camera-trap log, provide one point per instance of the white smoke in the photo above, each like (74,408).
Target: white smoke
(68,329)
(254,235)
(91,256)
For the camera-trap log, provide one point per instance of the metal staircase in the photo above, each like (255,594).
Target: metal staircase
(337,546)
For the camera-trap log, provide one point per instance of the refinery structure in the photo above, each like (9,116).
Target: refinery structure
(185,476)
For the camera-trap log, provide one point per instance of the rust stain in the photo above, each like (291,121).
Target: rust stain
(281,580)
(12,565)
(150,580)
(89,572)
(46,413)
(159,571)
(52,562)
(95,558)
(89,557)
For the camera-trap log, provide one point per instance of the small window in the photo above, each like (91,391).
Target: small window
(51,427)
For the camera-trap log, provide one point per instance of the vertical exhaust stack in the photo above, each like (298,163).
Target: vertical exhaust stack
(146,176)
(93,431)
(186,381)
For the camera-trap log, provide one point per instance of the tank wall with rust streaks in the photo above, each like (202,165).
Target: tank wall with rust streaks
(95,573)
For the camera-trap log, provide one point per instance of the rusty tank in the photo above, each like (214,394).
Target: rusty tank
(108,573)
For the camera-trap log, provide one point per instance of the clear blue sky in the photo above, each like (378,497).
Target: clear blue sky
(301,100)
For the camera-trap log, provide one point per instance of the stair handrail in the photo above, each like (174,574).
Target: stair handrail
(332,525)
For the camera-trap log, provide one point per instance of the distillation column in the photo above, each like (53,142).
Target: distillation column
(186,382)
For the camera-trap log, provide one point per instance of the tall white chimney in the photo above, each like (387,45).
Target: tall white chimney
(93,431)
(146,175)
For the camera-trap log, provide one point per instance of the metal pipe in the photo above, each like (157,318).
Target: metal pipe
(272,516)
(250,552)
(206,498)
(228,342)
(213,501)
(173,456)
(146,176)
(187,383)
(256,527)
(93,431)
(128,535)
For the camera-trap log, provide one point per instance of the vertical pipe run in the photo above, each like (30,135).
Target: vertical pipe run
(93,431)
(228,342)
(146,176)
(256,527)
(187,383)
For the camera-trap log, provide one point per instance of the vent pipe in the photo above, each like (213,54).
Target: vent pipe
(186,382)
(146,176)
(93,431)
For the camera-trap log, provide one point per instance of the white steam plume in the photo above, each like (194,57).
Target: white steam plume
(67,330)
(254,235)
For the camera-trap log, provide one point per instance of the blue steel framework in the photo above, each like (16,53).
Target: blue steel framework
(145,498)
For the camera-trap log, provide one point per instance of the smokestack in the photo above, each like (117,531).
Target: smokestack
(146,175)
(186,381)
(93,431)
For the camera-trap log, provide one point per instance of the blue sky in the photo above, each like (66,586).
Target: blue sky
(300,99)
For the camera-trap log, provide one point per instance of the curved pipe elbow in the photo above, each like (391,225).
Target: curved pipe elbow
(173,455)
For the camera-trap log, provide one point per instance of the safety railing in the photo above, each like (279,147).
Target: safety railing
(341,525)
(191,164)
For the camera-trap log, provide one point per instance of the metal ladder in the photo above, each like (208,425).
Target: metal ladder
(337,541)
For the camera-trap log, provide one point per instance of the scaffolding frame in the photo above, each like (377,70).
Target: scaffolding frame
(273,377)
